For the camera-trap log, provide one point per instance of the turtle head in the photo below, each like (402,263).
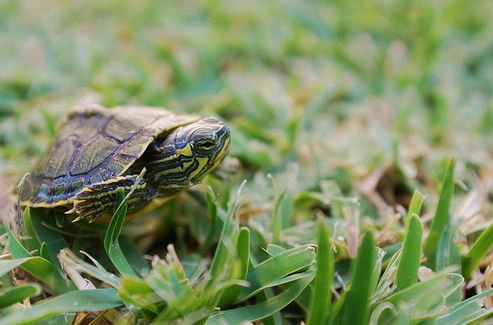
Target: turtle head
(190,152)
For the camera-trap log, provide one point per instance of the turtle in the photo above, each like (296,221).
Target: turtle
(99,150)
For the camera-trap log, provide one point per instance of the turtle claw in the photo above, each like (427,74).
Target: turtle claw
(99,198)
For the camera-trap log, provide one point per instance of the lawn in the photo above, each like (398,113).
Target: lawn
(364,136)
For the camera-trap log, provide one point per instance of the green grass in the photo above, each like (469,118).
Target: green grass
(364,131)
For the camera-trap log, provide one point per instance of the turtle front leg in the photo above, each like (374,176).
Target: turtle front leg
(98,199)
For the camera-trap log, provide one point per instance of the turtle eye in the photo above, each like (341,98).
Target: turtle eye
(206,144)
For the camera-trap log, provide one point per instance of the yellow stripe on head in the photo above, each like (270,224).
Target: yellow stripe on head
(187,151)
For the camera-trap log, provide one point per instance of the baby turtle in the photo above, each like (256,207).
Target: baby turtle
(99,150)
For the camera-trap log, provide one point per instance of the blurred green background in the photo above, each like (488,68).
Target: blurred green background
(372,96)
(337,108)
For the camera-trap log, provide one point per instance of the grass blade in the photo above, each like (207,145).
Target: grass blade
(220,268)
(240,267)
(69,259)
(467,312)
(11,295)
(407,271)
(212,209)
(111,243)
(478,251)
(320,300)
(133,256)
(15,248)
(39,267)
(227,240)
(276,268)
(260,310)
(442,216)
(71,302)
(356,306)
(415,205)
(277,217)
(8,265)
(426,299)
(116,222)
(448,255)
(136,292)
(45,228)
(31,243)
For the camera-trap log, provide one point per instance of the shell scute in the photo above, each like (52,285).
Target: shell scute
(116,166)
(93,154)
(82,126)
(99,177)
(77,184)
(122,128)
(60,158)
(136,146)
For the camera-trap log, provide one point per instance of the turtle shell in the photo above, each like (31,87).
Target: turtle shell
(95,144)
